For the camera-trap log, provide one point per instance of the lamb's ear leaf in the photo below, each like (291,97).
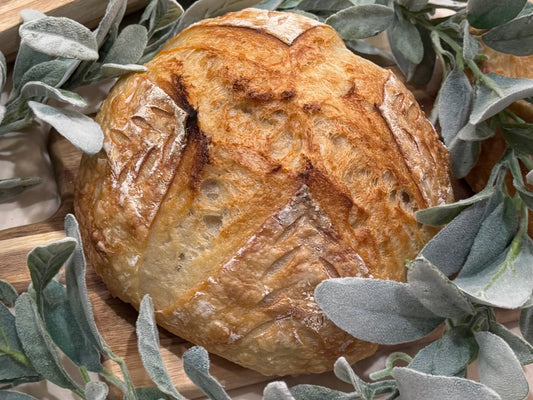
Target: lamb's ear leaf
(374,310)
(60,37)
(277,390)
(196,366)
(361,21)
(419,385)
(202,9)
(486,14)
(448,355)
(81,130)
(435,291)
(38,345)
(498,367)
(148,344)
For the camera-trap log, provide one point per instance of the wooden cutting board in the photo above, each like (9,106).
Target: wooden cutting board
(115,319)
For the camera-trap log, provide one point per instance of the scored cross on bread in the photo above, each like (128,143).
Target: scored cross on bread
(256,157)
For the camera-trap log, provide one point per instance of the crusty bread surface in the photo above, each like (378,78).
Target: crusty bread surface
(256,157)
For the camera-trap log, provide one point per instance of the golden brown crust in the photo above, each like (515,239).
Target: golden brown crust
(255,158)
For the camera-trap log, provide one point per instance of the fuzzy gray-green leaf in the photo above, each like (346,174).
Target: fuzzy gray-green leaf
(416,385)
(505,282)
(413,5)
(7,395)
(455,104)
(378,311)
(463,156)
(405,38)
(11,187)
(315,392)
(45,261)
(488,103)
(196,366)
(14,366)
(277,390)
(515,37)
(78,128)
(60,37)
(129,46)
(498,227)
(498,367)
(96,390)
(113,70)
(435,291)
(38,344)
(78,296)
(36,89)
(460,234)
(113,16)
(477,132)
(519,137)
(8,294)
(526,324)
(321,5)
(521,348)
(49,72)
(148,344)
(3,71)
(486,14)
(64,329)
(26,59)
(448,355)
(202,9)
(362,21)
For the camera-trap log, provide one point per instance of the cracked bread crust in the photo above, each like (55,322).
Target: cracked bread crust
(256,157)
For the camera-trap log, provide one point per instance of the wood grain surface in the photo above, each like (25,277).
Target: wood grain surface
(115,319)
(87,12)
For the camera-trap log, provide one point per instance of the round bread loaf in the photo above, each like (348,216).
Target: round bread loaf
(256,157)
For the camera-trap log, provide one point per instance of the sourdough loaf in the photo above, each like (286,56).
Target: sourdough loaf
(256,157)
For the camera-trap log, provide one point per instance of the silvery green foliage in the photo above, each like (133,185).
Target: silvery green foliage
(374,310)
(521,348)
(64,329)
(8,294)
(45,261)
(277,390)
(361,21)
(96,391)
(38,90)
(12,186)
(6,395)
(148,344)
(81,130)
(486,14)
(364,390)
(405,39)
(515,37)
(38,344)
(202,9)
(196,366)
(448,356)
(15,367)
(502,92)
(435,291)
(415,385)
(78,297)
(3,71)
(498,367)
(59,37)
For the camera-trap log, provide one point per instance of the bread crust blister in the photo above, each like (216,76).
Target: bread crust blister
(256,157)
